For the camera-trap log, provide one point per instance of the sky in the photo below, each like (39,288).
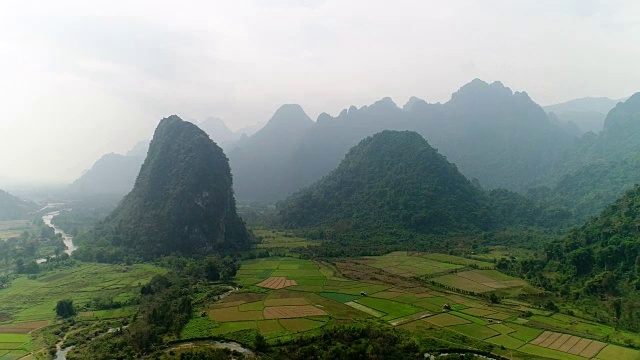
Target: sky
(79,79)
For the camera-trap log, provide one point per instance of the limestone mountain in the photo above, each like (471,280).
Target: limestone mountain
(13,208)
(262,163)
(218,131)
(111,174)
(182,201)
(599,168)
(502,138)
(393,178)
(586,113)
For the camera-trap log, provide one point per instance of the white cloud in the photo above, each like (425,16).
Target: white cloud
(83,78)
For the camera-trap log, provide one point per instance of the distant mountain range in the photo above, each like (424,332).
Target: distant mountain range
(114,174)
(598,168)
(13,208)
(586,114)
(502,138)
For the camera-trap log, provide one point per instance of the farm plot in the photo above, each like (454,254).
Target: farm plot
(618,353)
(28,300)
(22,328)
(458,260)
(568,344)
(403,264)
(277,282)
(392,309)
(12,346)
(480,281)
(289,312)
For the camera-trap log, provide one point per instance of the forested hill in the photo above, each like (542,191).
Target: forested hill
(601,259)
(392,178)
(12,208)
(598,169)
(182,201)
(502,138)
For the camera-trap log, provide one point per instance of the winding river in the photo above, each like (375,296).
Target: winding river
(66,238)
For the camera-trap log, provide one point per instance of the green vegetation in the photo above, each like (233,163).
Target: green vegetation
(192,203)
(392,178)
(86,284)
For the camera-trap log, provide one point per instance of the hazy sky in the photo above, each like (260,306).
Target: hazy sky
(82,78)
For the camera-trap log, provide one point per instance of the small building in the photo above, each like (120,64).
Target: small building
(362,293)
(446,307)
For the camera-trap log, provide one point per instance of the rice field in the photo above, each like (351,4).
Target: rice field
(321,294)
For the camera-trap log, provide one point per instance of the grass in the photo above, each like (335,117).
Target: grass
(402,264)
(393,309)
(30,300)
(501,328)
(618,353)
(270,327)
(549,353)
(13,228)
(230,327)
(300,325)
(365,309)
(252,306)
(506,341)
(197,328)
(339,297)
(458,260)
(524,333)
(471,318)
(446,320)
(475,331)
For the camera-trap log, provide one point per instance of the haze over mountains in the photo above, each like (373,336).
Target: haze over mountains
(115,174)
(499,137)
(182,201)
(587,114)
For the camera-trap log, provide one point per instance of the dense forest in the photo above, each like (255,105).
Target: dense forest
(182,202)
(392,178)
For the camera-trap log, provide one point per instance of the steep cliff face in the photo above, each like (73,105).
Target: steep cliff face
(182,201)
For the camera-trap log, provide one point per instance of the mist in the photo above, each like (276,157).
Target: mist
(80,80)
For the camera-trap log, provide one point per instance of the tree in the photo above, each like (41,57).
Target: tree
(617,308)
(65,309)
(494,298)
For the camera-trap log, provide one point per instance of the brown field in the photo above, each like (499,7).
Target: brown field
(446,320)
(592,349)
(233,314)
(277,282)
(285,302)
(559,341)
(23,328)
(245,297)
(226,304)
(477,311)
(569,344)
(553,337)
(543,337)
(387,294)
(288,312)
(579,347)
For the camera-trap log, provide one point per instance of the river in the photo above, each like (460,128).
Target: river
(66,238)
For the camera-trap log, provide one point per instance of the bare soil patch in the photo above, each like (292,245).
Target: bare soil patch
(277,282)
